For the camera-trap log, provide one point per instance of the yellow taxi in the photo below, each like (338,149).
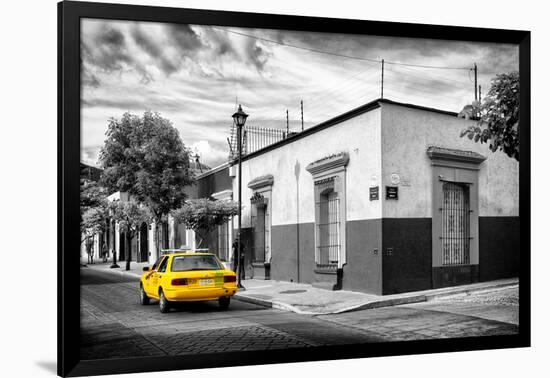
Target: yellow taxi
(187,277)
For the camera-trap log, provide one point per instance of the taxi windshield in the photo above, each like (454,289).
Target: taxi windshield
(198,262)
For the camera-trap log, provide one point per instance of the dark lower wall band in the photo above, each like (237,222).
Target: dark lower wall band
(392,255)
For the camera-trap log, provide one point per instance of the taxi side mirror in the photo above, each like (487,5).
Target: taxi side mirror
(146,268)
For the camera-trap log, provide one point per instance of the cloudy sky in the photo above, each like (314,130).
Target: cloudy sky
(196,75)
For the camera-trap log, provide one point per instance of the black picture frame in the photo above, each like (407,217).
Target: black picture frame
(69,15)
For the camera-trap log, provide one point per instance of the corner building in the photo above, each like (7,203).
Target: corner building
(383,199)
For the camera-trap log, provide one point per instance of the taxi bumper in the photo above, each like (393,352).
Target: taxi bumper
(190,294)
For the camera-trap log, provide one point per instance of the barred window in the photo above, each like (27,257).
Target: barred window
(455,227)
(328,230)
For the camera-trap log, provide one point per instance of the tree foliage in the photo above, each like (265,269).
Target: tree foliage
(129,215)
(204,215)
(146,157)
(497,116)
(91,195)
(94,221)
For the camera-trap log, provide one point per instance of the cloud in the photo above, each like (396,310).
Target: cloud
(106,51)
(89,155)
(209,154)
(183,37)
(155,51)
(195,76)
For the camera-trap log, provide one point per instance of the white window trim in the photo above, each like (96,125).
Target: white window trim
(333,166)
(264,185)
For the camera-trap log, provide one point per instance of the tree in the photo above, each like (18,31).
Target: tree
(129,215)
(204,215)
(145,157)
(91,195)
(94,221)
(497,116)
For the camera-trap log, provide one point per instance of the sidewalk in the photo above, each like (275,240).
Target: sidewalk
(136,269)
(306,299)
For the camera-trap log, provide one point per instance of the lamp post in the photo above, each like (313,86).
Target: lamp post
(239,118)
(114,264)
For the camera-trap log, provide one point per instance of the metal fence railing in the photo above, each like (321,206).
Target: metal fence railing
(255,138)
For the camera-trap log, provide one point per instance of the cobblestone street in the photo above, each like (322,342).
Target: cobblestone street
(114,325)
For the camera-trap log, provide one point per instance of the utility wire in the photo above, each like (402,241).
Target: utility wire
(296,47)
(337,54)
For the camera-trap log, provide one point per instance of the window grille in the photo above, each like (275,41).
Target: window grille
(455,227)
(328,231)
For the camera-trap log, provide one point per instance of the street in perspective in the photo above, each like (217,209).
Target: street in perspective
(254,189)
(115,325)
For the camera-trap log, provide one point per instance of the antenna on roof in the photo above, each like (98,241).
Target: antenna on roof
(382,81)
(302,110)
(287,121)
(197,157)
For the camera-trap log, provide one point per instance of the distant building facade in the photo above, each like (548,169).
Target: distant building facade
(171,234)
(90,246)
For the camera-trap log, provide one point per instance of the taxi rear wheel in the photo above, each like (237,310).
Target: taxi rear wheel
(164,304)
(143,298)
(224,302)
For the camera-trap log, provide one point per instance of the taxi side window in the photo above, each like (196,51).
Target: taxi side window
(163,264)
(157,263)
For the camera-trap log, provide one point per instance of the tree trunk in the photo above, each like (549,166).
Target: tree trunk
(156,238)
(128,249)
(201,239)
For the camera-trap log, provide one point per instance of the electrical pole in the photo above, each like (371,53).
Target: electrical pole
(382,81)
(479,93)
(302,110)
(475,81)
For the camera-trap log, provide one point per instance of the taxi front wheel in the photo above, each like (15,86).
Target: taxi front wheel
(164,304)
(224,302)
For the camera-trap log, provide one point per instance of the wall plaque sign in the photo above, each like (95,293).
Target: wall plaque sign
(392,192)
(373,193)
(395,179)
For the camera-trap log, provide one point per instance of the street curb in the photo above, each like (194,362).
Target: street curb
(256,301)
(460,291)
(376,304)
(408,299)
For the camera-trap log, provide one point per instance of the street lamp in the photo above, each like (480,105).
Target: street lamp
(239,118)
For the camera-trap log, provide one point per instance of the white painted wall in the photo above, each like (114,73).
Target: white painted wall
(359,136)
(406,135)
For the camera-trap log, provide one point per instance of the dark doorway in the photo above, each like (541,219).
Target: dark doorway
(259,234)
(143,243)
(455,238)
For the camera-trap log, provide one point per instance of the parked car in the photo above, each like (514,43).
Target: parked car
(187,277)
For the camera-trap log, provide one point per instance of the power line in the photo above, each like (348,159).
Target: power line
(296,47)
(337,54)
(426,66)
(422,75)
